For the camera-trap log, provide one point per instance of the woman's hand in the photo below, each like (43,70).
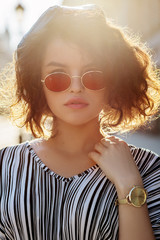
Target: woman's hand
(115,159)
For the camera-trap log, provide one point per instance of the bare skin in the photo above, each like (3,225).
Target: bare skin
(67,154)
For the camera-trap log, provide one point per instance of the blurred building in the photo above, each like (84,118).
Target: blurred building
(5,51)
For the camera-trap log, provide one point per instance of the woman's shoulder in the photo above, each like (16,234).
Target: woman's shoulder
(144,157)
(15,161)
(148,163)
(142,154)
(14,148)
(15,152)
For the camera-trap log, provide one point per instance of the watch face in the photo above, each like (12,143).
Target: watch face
(137,196)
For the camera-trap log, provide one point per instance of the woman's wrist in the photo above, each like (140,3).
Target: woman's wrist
(124,187)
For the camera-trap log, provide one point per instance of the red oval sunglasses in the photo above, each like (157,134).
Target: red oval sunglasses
(59,81)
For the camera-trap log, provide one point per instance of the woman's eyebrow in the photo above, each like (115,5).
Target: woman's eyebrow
(52,63)
(56,64)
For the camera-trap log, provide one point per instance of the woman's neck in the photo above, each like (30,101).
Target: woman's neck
(76,139)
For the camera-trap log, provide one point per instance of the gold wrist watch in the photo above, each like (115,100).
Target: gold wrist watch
(137,197)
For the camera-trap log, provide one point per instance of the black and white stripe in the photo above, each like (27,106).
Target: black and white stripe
(38,204)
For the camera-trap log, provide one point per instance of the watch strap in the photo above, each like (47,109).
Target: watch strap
(122,201)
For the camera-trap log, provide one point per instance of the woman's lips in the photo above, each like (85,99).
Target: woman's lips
(76,103)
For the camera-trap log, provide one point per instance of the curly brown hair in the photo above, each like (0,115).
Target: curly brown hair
(132,86)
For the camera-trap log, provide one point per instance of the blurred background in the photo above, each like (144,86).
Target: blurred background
(142,17)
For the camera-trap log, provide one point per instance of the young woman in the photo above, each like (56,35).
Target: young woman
(79,79)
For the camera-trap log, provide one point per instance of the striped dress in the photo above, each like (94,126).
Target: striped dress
(38,204)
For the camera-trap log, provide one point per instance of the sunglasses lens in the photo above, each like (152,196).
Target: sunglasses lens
(94,80)
(57,82)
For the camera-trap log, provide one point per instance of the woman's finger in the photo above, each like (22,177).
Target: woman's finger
(99,147)
(106,142)
(114,139)
(118,141)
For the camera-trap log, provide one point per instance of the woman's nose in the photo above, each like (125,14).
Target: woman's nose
(76,84)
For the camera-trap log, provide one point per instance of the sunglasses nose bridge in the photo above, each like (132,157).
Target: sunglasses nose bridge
(75,76)
(76,84)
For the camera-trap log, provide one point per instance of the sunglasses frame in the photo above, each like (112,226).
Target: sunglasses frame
(43,80)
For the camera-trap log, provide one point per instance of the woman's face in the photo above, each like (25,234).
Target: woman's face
(77,105)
